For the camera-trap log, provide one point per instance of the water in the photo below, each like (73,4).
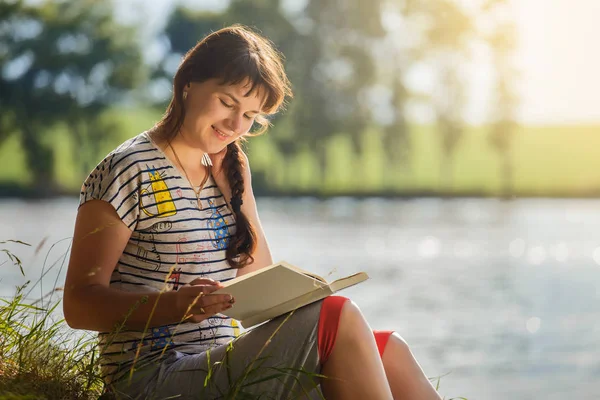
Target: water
(501,296)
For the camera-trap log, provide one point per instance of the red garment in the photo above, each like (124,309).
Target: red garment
(329,320)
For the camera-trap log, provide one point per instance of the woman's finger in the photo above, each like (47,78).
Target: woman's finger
(208,312)
(203,311)
(202,295)
(211,301)
(211,309)
(190,294)
(204,281)
(199,300)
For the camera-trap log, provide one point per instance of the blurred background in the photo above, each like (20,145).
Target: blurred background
(446,147)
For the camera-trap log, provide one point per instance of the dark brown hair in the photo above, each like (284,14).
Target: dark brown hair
(232,55)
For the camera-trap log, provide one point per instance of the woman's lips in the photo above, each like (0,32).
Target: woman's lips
(219,134)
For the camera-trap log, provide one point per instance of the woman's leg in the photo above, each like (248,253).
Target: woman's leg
(350,351)
(348,356)
(353,368)
(269,361)
(405,376)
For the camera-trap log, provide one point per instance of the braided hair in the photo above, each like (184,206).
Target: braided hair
(243,243)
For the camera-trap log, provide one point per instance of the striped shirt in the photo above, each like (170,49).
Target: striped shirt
(170,231)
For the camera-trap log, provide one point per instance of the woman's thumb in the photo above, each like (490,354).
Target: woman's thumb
(203,281)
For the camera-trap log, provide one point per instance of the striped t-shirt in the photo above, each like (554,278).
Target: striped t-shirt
(169,229)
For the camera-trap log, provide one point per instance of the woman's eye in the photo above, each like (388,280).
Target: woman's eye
(247,116)
(226,105)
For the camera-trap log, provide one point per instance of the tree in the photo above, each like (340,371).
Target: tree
(63,62)
(502,42)
(447,38)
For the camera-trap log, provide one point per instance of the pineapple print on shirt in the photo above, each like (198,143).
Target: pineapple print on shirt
(162,196)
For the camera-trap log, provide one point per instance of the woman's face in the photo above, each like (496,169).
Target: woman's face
(216,115)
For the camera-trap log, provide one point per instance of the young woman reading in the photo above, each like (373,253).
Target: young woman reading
(170,214)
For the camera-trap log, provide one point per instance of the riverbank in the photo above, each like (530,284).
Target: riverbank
(12,191)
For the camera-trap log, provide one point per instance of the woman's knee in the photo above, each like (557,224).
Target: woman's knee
(341,312)
(399,343)
(351,314)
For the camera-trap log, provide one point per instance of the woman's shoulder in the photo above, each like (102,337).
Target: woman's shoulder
(129,155)
(135,149)
(118,176)
(124,164)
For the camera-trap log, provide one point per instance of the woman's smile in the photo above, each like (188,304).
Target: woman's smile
(220,135)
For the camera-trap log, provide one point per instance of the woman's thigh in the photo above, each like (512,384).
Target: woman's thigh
(274,360)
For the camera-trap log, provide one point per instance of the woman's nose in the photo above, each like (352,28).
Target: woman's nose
(235,122)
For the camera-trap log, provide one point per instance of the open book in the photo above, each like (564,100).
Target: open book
(277,289)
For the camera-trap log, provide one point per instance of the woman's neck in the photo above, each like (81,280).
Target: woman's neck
(189,156)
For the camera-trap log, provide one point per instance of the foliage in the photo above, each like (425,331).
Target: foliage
(502,42)
(63,62)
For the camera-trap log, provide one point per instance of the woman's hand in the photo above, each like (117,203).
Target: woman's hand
(196,302)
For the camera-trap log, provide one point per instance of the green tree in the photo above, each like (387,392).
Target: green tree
(396,136)
(62,63)
(502,42)
(447,36)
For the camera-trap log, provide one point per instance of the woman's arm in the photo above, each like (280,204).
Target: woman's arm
(89,303)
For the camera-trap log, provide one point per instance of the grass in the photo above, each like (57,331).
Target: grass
(548,160)
(40,358)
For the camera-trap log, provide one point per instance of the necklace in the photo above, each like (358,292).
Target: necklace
(204,162)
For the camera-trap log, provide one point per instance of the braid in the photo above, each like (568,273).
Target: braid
(243,243)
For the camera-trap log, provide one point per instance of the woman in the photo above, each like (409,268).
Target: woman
(169,215)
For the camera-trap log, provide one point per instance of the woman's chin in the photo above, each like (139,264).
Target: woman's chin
(217,148)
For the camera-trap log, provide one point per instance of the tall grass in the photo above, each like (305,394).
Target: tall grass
(41,358)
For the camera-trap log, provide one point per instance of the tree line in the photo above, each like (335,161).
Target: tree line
(69,62)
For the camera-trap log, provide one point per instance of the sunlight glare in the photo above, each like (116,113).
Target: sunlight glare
(533,324)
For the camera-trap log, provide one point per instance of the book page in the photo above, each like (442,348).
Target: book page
(278,288)
(255,293)
(314,295)
(348,281)
(300,270)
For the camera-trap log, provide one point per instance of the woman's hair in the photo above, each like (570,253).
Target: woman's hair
(233,55)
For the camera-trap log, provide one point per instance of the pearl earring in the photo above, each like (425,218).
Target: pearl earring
(184,95)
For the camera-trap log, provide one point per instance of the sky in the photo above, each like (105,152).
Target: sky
(557,59)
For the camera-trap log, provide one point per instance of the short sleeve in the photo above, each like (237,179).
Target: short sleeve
(117,182)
